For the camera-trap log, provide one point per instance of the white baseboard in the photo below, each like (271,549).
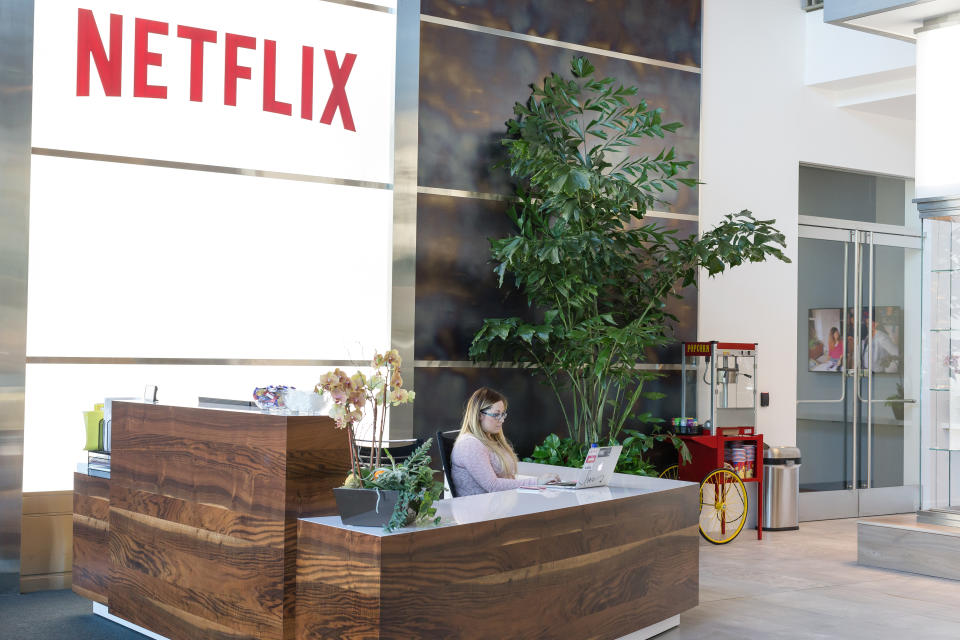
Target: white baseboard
(101,610)
(652,630)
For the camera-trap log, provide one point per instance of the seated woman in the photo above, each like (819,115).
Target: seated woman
(483,460)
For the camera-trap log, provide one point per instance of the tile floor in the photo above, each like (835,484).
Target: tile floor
(807,584)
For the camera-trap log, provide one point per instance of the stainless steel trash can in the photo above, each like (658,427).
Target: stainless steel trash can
(781,489)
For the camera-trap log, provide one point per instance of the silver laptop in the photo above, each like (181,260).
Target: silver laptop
(596,472)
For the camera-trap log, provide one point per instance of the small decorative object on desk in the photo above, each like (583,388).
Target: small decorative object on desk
(367,497)
(270,397)
(305,402)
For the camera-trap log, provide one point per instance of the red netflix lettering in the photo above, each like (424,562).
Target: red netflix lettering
(196,37)
(231,70)
(143,58)
(89,44)
(338,95)
(270,102)
(306,84)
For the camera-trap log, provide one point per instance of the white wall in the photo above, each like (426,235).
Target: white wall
(873,55)
(759,122)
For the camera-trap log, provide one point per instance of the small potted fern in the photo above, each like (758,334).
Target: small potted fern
(384,492)
(393,495)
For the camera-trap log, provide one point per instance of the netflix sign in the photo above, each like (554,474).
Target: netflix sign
(301,87)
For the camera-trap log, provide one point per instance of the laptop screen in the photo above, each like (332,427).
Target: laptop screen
(599,466)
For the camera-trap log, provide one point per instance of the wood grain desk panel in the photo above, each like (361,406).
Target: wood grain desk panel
(600,570)
(91,551)
(203,514)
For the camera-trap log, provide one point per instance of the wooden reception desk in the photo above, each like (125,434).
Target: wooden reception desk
(214,524)
(194,533)
(598,563)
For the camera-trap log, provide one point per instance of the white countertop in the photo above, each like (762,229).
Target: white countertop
(521,502)
(210,406)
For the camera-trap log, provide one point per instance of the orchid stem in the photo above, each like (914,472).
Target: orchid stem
(354,463)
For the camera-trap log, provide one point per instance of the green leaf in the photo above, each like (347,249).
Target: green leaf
(558,182)
(525,332)
(581,178)
(581,67)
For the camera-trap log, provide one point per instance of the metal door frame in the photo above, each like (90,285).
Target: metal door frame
(858,501)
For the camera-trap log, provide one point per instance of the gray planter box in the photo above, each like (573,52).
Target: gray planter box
(364,507)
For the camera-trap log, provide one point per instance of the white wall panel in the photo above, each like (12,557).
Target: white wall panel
(133,261)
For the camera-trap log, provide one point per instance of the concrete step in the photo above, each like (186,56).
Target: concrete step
(905,544)
(949,517)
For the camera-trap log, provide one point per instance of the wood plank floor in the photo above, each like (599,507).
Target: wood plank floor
(807,584)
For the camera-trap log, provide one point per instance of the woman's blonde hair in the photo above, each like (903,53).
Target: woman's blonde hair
(482,399)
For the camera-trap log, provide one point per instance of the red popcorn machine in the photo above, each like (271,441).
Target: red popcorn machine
(719,387)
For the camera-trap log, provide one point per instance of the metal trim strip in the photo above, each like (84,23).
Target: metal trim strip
(468,364)
(244,362)
(478,195)
(209,168)
(456,24)
(16,91)
(362,5)
(460,193)
(406,153)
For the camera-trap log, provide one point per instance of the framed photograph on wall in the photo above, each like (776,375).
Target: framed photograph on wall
(825,347)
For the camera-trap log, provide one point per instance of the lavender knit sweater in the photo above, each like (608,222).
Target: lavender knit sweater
(477,469)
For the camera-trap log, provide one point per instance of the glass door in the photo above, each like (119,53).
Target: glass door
(858,371)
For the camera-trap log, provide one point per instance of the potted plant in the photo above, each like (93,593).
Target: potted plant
(383,492)
(596,274)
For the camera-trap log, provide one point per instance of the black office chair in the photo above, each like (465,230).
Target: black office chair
(445,440)
(399,450)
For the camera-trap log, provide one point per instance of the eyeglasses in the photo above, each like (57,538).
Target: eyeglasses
(495,416)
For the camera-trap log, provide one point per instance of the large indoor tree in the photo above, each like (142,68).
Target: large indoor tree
(597,275)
